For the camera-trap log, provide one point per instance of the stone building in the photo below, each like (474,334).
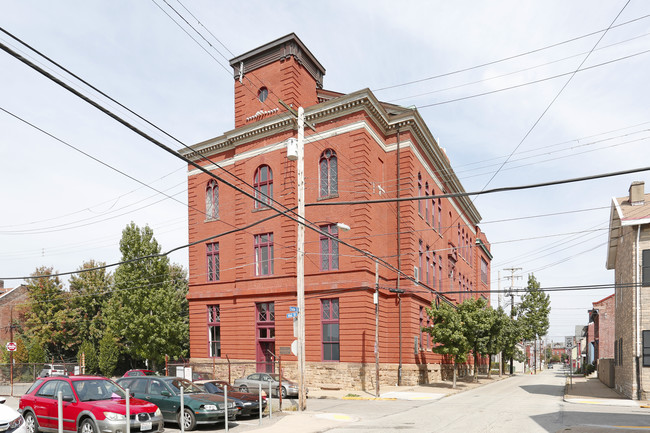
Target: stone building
(629,256)
(361,158)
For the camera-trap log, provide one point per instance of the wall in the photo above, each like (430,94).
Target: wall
(606,371)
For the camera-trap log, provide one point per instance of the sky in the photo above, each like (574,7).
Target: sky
(496,83)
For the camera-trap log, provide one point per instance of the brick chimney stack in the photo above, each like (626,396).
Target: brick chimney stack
(637,193)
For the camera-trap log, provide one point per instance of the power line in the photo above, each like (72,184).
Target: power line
(512,57)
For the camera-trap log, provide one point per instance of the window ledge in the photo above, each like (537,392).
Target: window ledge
(327,197)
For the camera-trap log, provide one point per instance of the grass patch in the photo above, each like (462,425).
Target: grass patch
(353,395)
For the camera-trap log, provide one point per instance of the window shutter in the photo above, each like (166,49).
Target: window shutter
(645,271)
(646,348)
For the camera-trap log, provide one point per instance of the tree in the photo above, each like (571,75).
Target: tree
(476,319)
(108,354)
(48,321)
(511,335)
(88,295)
(533,312)
(448,334)
(147,309)
(497,334)
(90,357)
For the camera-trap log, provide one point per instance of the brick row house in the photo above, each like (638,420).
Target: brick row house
(600,334)
(364,153)
(629,256)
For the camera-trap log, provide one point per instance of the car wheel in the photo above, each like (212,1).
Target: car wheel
(189,420)
(87,426)
(243,388)
(284,392)
(31,423)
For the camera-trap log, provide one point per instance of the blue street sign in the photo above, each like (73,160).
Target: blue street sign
(292,315)
(294,309)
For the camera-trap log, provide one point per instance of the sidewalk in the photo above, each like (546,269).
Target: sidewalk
(590,390)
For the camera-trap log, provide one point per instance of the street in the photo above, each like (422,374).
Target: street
(525,403)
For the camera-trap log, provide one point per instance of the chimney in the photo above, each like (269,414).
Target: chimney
(637,193)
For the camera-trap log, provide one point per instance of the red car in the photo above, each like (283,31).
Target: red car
(138,372)
(91,404)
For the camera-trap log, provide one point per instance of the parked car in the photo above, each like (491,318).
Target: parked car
(249,401)
(253,381)
(199,407)
(91,404)
(52,370)
(10,420)
(139,372)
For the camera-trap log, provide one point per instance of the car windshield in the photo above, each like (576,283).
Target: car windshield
(97,389)
(276,378)
(188,387)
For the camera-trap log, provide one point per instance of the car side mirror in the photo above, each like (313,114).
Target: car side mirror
(67,398)
(2,400)
(166,393)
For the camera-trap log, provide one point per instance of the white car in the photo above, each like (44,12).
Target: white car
(10,420)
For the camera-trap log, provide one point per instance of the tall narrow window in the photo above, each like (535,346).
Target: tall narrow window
(440,215)
(214,330)
(263,185)
(440,273)
(330,324)
(426,202)
(645,271)
(264,254)
(484,271)
(420,263)
(419,193)
(428,265)
(329,178)
(433,271)
(212,200)
(329,248)
(212,253)
(433,211)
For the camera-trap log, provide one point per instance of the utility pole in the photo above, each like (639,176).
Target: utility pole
(377,328)
(500,299)
(300,259)
(512,303)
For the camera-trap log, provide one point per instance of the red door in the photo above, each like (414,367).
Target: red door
(265,337)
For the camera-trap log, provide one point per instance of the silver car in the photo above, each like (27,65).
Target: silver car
(252,382)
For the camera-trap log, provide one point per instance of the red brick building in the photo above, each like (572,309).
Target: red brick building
(12,305)
(364,153)
(600,337)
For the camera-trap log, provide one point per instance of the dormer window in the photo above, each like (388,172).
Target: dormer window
(262,94)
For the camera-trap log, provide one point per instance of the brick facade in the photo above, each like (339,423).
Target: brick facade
(382,151)
(12,304)
(629,237)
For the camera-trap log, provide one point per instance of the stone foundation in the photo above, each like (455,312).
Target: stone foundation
(340,375)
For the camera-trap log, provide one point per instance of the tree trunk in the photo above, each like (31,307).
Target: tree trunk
(535,351)
(476,363)
(490,366)
(454,385)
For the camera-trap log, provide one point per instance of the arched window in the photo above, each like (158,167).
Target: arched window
(426,203)
(263,184)
(212,200)
(329,177)
(419,193)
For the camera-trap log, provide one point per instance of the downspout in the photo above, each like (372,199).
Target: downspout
(637,309)
(399,266)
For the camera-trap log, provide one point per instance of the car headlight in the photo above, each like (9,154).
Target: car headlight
(210,407)
(158,412)
(114,416)
(16,422)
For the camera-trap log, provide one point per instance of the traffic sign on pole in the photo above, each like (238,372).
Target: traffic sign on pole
(292,315)
(11,346)
(294,309)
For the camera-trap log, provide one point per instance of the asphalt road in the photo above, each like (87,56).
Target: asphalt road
(526,403)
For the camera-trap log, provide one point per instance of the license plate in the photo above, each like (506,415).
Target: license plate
(146,426)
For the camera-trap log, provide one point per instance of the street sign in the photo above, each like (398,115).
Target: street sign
(292,315)
(568,342)
(11,346)
(294,309)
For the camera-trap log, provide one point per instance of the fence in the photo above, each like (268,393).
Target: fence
(16,380)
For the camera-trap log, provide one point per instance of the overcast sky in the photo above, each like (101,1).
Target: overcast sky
(61,208)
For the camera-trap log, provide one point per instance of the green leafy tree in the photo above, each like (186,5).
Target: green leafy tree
(147,311)
(88,295)
(48,320)
(511,335)
(109,354)
(533,312)
(497,333)
(447,332)
(476,319)
(37,354)
(90,357)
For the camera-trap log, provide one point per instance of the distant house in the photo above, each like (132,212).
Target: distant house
(600,337)
(12,303)
(629,256)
